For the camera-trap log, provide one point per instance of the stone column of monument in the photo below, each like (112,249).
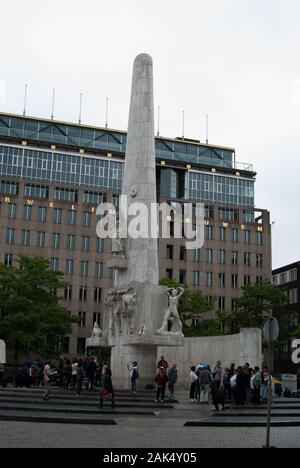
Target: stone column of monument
(137,304)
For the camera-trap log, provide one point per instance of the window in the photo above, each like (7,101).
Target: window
(54,264)
(259,239)
(55,240)
(85,243)
(94,198)
(97,294)
(222,257)
(86,219)
(111,273)
(71,241)
(221,303)
(42,214)
(234,258)
(68,293)
(36,191)
(98,269)
(259,279)
(293,296)
(84,268)
(72,217)
(209,255)
(208,232)
(196,255)
(69,267)
(25,237)
(209,279)
(99,245)
(169,251)
(169,273)
(293,274)
(12,210)
(222,281)
(83,293)
(259,260)
(64,194)
(222,234)
(247,237)
(57,215)
(234,281)
(182,253)
(82,319)
(195,322)
(247,280)
(235,235)
(8,259)
(97,318)
(196,278)
(10,236)
(247,259)
(40,239)
(182,276)
(80,345)
(27,213)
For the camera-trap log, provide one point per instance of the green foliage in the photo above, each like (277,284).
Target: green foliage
(170,283)
(31,317)
(204,328)
(194,304)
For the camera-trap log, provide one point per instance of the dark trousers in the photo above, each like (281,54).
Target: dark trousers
(192,390)
(162,392)
(256,396)
(112,402)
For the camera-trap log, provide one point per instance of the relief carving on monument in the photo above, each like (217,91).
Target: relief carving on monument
(172,314)
(121,305)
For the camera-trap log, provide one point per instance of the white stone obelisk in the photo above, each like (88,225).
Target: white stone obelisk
(139,183)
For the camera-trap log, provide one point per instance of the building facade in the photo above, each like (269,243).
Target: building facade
(54,175)
(288,277)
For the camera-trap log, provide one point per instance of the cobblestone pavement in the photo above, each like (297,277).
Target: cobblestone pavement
(140,433)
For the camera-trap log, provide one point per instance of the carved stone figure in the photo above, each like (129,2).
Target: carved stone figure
(143,330)
(172,314)
(129,301)
(97,332)
(110,302)
(117,243)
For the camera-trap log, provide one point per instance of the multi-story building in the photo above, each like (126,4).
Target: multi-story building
(288,277)
(53,176)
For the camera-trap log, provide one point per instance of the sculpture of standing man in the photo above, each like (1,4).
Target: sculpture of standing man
(172,313)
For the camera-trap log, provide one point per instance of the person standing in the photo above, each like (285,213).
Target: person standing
(193,383)
(90,372)
(161,381)
(218,397)
(172,376)
(255,383)
(47,384)
(205,382)
(1,374)
(74,372)
(226,382)
(217,375)
(134,375)
(264,384)
(162,363)
(107,390)
(80,377)
(241,387)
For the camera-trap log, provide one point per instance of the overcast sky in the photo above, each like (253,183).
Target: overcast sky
(237,60)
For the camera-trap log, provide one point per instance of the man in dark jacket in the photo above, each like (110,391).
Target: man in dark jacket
(205,381)
(218,396)
(162,363)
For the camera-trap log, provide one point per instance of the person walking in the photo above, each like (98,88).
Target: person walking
(161,381)
(134,375)
(205,382)
(107,390)
(47,384)
(172,376)
(80,377)
(193,383)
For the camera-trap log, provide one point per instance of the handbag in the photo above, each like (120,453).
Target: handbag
(104,392)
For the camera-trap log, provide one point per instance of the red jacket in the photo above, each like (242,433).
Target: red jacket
(161,380)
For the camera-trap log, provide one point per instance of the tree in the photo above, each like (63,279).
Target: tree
(258,301)
(31,317)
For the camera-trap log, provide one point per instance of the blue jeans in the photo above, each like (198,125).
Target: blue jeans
(133,386)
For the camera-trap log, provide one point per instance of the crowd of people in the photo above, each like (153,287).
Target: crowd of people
(242,384)
(239,384)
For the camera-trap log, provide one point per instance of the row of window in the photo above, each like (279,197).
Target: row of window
(40,240)
(221,280)
(42,214)
(233,235)
(210,256)
(285,277)
(82,294)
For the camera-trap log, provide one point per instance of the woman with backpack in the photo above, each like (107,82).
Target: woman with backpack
(134,375)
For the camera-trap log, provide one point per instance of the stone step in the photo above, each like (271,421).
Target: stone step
(243,422)
(44,407)
(24,416)
(80,401)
